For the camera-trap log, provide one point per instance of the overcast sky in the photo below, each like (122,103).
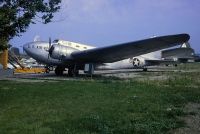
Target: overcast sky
(108,22)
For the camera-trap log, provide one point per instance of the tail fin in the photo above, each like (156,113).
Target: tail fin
(186,45)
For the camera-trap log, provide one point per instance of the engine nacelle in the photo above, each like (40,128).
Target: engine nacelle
(60,52)
(137,62)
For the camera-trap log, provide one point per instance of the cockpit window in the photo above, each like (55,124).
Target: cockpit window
(55,41)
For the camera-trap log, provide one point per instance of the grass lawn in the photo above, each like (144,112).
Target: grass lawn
(96,106)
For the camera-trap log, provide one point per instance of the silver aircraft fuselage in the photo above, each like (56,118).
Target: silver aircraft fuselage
(75,56)
(40,52)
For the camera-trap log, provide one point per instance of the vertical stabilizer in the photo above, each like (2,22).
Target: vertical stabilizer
(186,45)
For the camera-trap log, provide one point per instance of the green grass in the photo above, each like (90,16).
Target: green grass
(102,106)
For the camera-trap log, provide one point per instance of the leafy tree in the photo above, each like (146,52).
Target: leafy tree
(17,15)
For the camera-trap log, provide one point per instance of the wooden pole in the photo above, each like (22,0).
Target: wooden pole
(4,59)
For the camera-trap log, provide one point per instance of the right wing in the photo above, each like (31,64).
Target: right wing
(126,50)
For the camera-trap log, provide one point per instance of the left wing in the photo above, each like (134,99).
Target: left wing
(126,50)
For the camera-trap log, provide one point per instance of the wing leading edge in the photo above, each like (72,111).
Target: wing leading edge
(131,49)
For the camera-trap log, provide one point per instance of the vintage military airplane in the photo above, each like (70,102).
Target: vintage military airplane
(74,56)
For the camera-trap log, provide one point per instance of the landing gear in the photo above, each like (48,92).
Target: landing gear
(48,69)
(59,70)
(72,72)
(144,69)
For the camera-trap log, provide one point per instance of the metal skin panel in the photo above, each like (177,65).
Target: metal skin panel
(40,55)
(178,53)
(60,52)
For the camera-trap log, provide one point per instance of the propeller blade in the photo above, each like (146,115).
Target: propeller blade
(49,42)
(49,46)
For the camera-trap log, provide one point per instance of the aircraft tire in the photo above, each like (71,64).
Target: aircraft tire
(145,69)
(72,72)
(47,70)
(59,71)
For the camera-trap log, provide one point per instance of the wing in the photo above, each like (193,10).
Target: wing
(130,49)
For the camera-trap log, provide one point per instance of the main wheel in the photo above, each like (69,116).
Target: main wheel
(72,72)
(59,71)
(144,69)
(47,70)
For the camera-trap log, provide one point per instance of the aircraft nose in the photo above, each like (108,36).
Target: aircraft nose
(25,47)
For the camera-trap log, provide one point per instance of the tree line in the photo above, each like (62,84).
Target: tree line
(17,15)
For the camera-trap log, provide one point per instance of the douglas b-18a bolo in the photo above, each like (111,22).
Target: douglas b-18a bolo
(74,56)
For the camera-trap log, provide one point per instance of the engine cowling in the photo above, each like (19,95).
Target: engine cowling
(59,51)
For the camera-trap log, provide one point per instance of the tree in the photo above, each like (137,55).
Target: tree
(17,15)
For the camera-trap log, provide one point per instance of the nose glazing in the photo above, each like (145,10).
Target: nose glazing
(25,47)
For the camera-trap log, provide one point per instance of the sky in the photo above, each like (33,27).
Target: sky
(109,22)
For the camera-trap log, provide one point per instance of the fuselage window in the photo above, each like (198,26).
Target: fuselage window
(85,47)
(40,47)
(77,45)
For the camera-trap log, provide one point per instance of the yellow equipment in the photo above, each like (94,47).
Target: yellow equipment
(30,70)
(4,59)
(22,68)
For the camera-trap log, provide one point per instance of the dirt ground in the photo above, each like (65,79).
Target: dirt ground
(191,120)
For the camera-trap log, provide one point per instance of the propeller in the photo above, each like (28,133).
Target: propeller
(49,46)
